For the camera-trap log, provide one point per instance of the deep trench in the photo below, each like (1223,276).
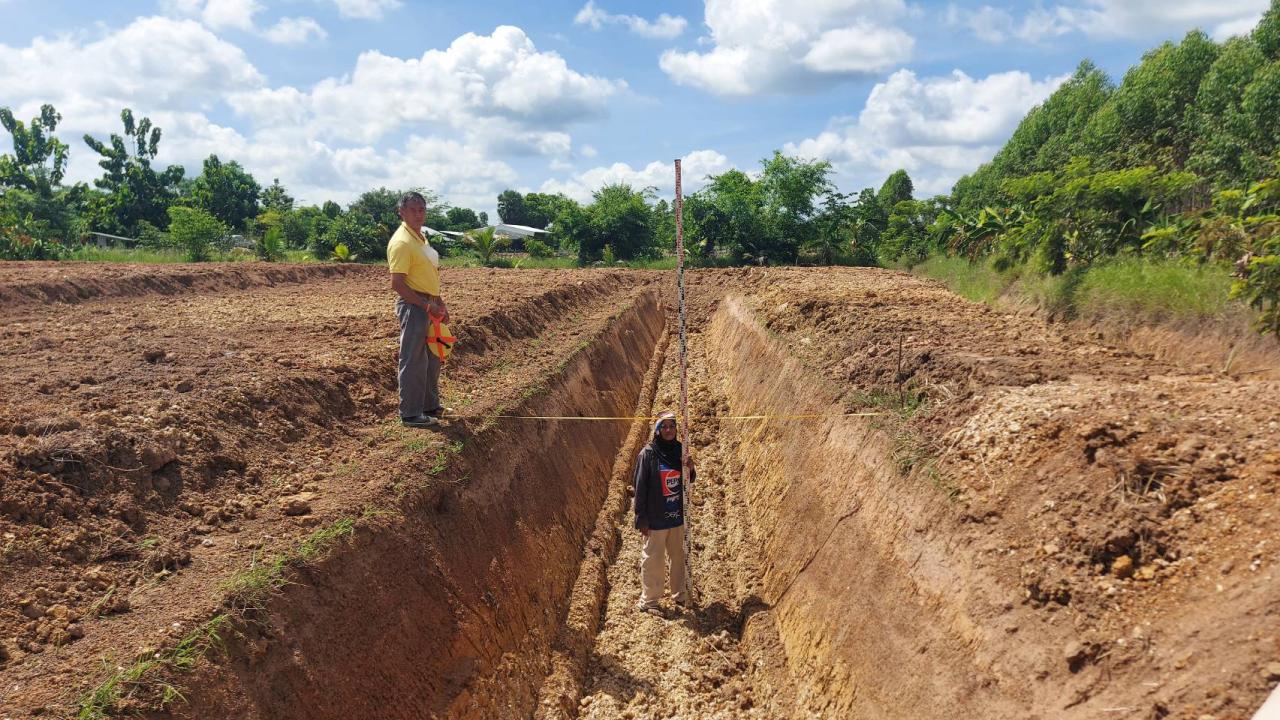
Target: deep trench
(490,597)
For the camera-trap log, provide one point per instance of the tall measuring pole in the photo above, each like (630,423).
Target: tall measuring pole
(684,391)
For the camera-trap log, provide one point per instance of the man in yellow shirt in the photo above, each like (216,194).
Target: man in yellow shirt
(415,276)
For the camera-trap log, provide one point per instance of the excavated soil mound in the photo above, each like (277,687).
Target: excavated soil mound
(40,283)
(949,512)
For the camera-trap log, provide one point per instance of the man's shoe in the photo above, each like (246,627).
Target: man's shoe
(441,412)
(649,607)
(420,421)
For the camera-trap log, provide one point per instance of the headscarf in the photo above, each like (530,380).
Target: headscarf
(668,451)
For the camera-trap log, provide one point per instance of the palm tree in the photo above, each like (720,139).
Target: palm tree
(485,244)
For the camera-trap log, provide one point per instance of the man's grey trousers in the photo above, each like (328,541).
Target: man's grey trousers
(419,369)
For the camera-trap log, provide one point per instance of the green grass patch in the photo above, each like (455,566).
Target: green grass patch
(143,680)
(904,402)
(1153,291)
(1144,290)
(92,253)
(978,282)
(249,589)
(441,460)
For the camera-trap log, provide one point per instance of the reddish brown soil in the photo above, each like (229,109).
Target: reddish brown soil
(152,443)
(1125,507)
(1034,524)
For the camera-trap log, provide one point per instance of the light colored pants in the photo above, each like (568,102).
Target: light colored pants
(658,547)
(419,369)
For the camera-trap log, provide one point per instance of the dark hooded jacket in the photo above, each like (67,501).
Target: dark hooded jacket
(659,496)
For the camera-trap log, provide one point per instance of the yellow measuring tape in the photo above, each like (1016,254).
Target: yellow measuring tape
(594,418)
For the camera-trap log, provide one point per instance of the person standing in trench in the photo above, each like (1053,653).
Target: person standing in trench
(659,514)
(415,277)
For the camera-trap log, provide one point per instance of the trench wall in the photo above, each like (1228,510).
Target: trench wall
(870,598)
(451,609)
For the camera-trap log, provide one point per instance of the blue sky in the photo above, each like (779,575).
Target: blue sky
(468,98)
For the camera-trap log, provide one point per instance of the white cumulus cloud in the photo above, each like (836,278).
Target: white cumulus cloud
(792,46)
(476,81)
(694,169)
(366,9)
(295,30)
(239,15)
(665,26)
(485,98)
(1111,19)
(936,128)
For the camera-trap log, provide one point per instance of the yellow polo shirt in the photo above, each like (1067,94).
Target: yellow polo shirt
(407,254)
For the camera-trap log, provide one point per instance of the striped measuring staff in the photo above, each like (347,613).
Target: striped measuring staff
(684,392)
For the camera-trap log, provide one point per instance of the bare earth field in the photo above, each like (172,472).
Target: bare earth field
(208,508)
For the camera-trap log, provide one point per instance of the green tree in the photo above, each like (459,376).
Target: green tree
(541,209)
(728,214)
(620,218)
(1145,120)
(39,159)
(790,188)
(572,228)
(896,188)
(837,223)
(195,231)
(270,246)
(358,231)
(1261,108)
(274,197)
(484,218)
(1221,147)
(909,231)
(869,222)
(461,219)
(511,208)
(227,192)
(378,206)
(31,178)
(131,189)
(296,226)
(1267,33)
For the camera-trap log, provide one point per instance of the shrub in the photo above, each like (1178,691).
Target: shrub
(341,253)
(358,232)
(152,237)
(195,231)
(270,247)
(538,249)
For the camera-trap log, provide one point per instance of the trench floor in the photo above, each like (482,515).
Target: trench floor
(688,663)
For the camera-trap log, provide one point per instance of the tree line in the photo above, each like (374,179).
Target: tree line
(1176,162)
(41,217)
(790,212)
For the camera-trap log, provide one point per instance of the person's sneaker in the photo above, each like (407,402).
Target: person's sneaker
(420,421)
(643,606)
(684,603)
(441,412)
